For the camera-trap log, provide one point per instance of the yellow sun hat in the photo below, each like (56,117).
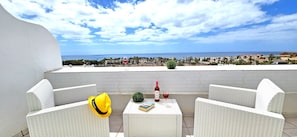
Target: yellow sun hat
(100,105)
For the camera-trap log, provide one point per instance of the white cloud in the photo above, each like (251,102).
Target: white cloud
(30,8)
(174,19)
(263,1)
(112,32)
(285,18)
(282,28)
(63,18)
(182,20)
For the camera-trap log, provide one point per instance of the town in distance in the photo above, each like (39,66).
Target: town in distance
(246,59)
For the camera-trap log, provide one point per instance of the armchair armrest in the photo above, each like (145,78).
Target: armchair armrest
(219,119)
(71,120)
(233,95)
(74,94)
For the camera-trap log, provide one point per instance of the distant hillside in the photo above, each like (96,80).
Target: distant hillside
(289,53)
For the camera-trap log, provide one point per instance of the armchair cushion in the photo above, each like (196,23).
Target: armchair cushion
(269,97)
(74,94)
(233,95)
(40,96)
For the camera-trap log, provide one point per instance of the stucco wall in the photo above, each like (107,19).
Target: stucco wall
(26,52)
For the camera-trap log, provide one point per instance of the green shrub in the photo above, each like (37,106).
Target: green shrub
(171,64)
(138,97)
(73,62)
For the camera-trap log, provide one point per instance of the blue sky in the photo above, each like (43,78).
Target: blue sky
(95,27)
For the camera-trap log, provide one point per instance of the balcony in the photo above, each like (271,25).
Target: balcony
(184,83)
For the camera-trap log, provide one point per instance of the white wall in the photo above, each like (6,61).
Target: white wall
(26,52)
(184,83)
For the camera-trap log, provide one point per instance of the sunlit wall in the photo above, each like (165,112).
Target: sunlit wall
(26,52)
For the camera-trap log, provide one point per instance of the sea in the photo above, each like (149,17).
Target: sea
(164,55)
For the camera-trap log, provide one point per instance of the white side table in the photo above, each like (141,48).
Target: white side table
(165,120)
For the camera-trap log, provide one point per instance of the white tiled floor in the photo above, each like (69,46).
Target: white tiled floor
(116,126)
(290,129)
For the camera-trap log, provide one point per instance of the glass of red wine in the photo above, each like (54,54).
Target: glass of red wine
(165,95)
(125,60)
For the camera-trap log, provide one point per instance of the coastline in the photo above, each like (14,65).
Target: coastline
(188,59)
(165,55)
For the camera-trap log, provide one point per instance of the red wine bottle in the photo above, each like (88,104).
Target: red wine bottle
(157,92)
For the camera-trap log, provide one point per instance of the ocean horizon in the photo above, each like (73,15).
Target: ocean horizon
(164,55)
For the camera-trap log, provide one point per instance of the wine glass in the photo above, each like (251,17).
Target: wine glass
(165,95)
(125,60)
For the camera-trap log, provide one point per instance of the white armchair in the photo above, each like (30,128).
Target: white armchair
(63,112)
(240,112)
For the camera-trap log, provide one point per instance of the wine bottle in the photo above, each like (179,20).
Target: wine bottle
(157,92)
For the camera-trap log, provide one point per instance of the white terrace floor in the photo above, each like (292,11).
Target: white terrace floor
(116,126)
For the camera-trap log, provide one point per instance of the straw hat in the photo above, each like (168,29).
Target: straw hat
(100,105)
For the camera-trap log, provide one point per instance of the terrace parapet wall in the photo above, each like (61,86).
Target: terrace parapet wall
(183,83)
